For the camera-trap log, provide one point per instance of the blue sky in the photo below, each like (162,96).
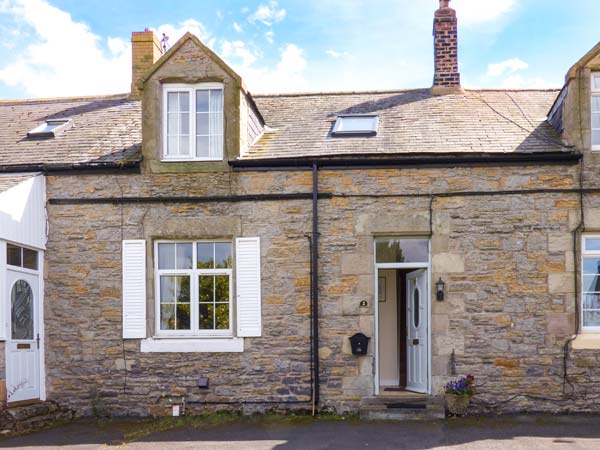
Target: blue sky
(73,47)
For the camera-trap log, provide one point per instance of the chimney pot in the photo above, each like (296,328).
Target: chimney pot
(145,51)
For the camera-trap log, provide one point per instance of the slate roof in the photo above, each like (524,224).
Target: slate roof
(410,122)
(106,131)
(9,181)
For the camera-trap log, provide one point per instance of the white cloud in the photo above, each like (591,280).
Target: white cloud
(476,12)
(270,36)
(175,32)
(62,57)
(268,14)
(237,27)
(288,74)
(508,66)
(337,55)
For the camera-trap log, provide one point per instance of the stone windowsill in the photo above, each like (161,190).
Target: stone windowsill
(189,345)
(586,341)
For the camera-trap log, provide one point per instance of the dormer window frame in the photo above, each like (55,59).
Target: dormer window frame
(595,110)
(213,136)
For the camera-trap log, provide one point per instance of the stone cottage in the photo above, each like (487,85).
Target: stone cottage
(191,246)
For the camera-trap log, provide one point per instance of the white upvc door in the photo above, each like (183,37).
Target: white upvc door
(417,317)
(23,340)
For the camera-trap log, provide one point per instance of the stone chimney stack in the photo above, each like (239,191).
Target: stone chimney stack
(145,51)
(446,79)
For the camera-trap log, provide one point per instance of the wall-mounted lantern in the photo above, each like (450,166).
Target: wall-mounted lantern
(440,287)
(359,343)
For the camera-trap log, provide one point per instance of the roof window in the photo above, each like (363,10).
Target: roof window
(356,124)
(50,128)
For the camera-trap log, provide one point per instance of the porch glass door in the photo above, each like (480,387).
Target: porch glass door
(22,361)
(417,333)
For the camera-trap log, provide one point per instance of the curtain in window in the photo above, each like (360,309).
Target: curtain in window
(178,123)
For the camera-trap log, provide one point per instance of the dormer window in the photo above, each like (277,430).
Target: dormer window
(596,111)
(356,124)
(50,128)
(193,122)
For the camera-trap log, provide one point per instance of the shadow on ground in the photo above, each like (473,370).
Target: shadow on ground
(302,433)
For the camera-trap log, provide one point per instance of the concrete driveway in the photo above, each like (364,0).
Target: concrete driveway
(273,433)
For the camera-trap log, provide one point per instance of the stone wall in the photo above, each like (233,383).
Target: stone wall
(507,261)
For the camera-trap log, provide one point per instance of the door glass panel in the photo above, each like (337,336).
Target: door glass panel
(13,255)
(30,259)
(21,311)
(402,251)
(416,300)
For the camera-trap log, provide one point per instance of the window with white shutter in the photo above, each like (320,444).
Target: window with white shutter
(134,289)
(248,286)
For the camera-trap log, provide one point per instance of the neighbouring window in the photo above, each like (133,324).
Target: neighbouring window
(21,257)
(193,122)
(595,111)
(193,288)
(401,250)
(590,303)
(356,124)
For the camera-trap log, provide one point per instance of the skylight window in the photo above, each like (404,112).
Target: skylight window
(356,124)
(50,128)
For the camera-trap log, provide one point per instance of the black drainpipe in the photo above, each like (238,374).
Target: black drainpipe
(315,281)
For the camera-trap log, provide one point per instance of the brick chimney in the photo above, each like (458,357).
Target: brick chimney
(145,51)
(446,79)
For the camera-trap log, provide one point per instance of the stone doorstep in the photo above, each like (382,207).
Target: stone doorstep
(23,418)
(376,408)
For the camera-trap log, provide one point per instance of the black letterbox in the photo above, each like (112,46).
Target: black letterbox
(359,343)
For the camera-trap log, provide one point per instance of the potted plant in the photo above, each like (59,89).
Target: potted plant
(458,395)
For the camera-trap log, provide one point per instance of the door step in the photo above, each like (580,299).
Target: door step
(19,419)
(409,408)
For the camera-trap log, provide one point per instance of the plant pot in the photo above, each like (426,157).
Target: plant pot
(457,404)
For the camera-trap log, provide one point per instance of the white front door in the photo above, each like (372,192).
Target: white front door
(417,317)
(22,344)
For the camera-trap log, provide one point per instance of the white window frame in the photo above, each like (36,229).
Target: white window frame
(338,129)
(594,93)
(191,90)
(584,253)
(193,273)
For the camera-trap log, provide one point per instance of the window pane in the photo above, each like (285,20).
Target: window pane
(596,120)
(591,301)
(174,289)
(596,103)
(222,316)
(402,251)
(416,307)
(166,256)
(183,317)
(172,102)
(167,317)
(172,124)
(592,244)
(202,147)
(184,256)
(184,145)
(184,101)
(223,255)
(596,82)
(591,318)
(205,255)
(591,265)
(206,320)
(184,121)
(201,124)
(202,101)
(172,147)
(216,100)
(216,146)
(21,311)
(591,283)
(30,259)
(222,288)
(596,137)
(13,255)
(206,286)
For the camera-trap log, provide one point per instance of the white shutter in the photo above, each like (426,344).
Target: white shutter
(247,266)
(134,289)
